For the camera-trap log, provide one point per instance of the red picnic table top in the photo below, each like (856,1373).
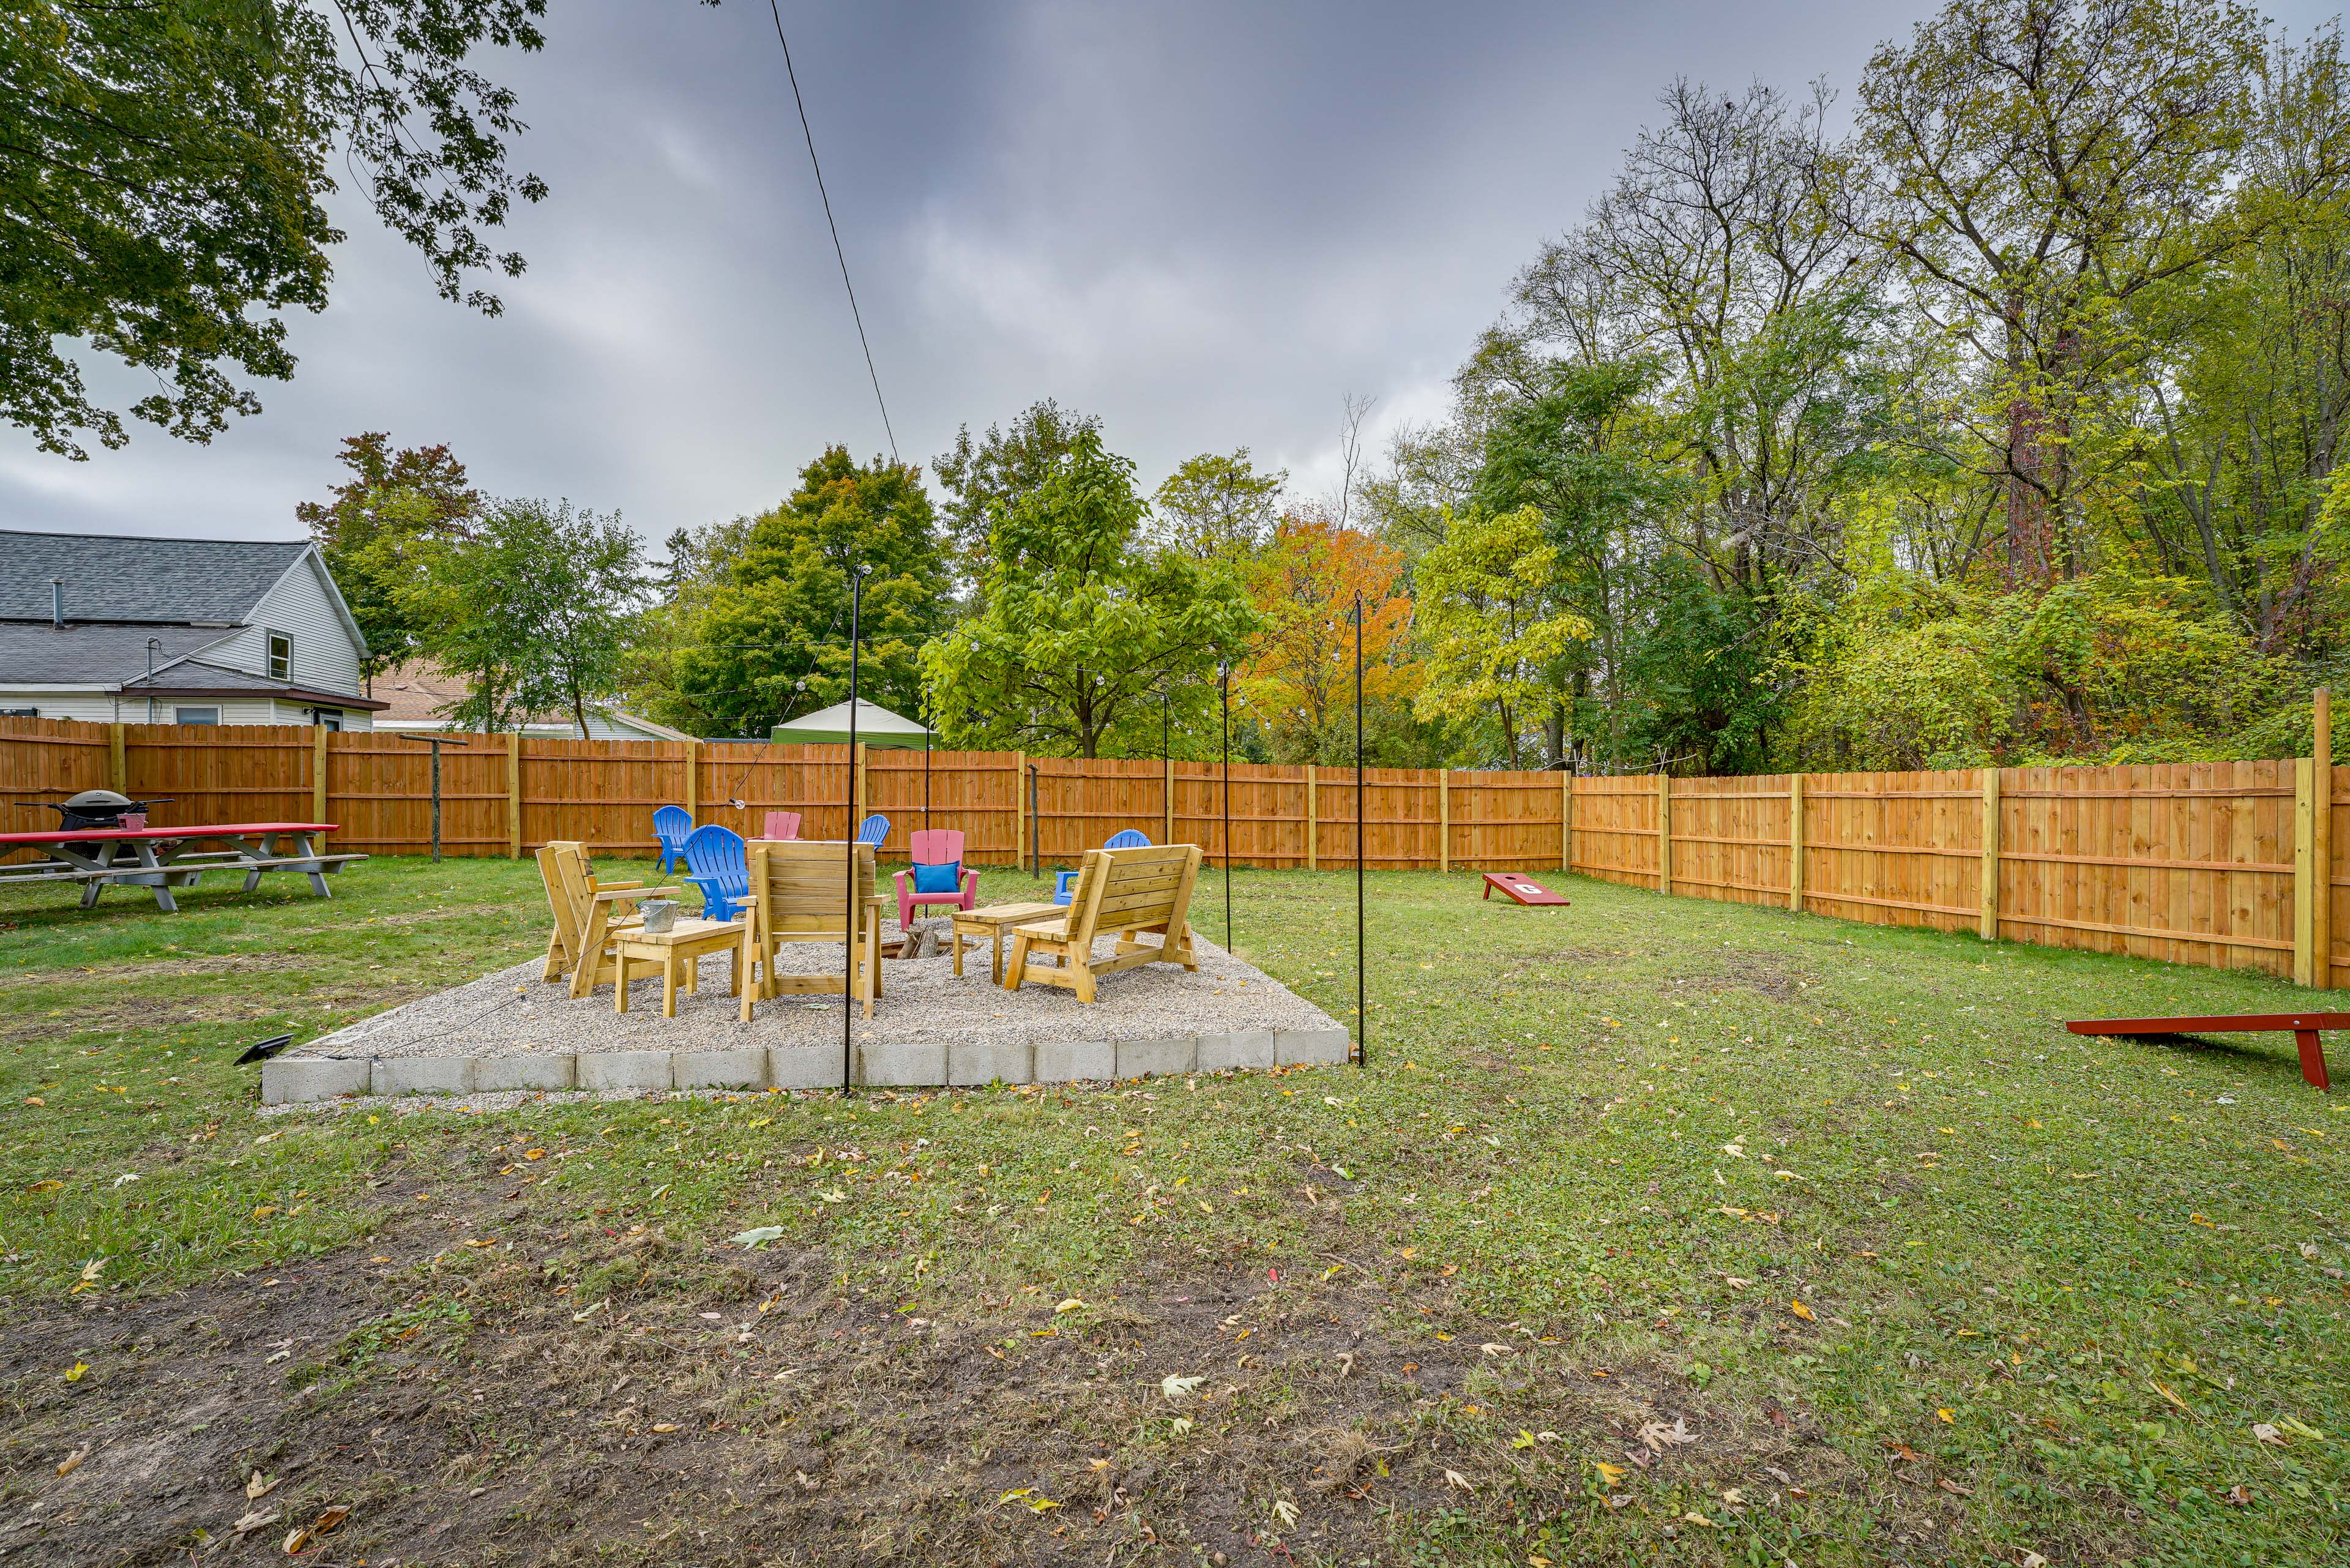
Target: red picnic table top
(203,830)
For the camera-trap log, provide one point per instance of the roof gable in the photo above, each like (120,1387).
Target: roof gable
(111,578)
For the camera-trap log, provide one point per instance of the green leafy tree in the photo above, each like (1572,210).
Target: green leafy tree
(370,533)
(1218,506)
(761,604)
(1084,632)
(161,171)
(1498,640)
(536,611)
(979,476)
(1703,687)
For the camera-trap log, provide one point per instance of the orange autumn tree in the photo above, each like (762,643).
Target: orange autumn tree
(1299,679)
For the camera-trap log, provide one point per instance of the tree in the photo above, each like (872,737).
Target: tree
(161,175)
(1215,505)
(535,610)
(762,607)
(370,533)
(1299,679)
(999,468)
(2036,167)
(1084,632)
(1496,636)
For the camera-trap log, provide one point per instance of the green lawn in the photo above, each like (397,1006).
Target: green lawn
(1921,1277)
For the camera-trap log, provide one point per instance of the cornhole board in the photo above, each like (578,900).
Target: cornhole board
(2303,1027)
(1519,889)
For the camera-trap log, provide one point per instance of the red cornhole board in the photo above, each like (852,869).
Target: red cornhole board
(1521,890)
(2303,1027)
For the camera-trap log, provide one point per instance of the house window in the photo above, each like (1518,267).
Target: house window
(326,718)
(281,656)
(195,716)
(19,712)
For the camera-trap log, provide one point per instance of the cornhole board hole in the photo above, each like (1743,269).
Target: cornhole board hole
(1519,889)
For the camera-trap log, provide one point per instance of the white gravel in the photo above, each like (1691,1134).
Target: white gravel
(512,1012)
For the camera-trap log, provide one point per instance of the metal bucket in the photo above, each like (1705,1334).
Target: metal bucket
(661,915)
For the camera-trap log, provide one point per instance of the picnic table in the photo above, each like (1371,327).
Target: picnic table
(162,858)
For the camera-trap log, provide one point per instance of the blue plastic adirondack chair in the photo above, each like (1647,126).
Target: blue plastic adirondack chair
(873,830)
(672,824)
(1064,883)
(715,862)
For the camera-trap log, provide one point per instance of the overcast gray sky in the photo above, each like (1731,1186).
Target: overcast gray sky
(1204,222)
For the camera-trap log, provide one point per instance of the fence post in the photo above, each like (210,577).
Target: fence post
(693,778)
(1987,925)
(2321,842)
(2304,870)
(317,772)
(1444,819)
(1795,842)
(1019,808)
(117,759)
(1566,821)
(1664,833)
(1312,809)
(857,796)
(514,794)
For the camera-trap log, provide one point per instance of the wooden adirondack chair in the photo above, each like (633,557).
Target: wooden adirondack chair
(799,893)
(583,910)
(1120,893)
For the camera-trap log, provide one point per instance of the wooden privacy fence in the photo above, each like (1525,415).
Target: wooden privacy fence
(2212,862)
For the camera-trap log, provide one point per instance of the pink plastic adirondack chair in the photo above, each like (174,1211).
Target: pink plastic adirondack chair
(935,846)
(783,825)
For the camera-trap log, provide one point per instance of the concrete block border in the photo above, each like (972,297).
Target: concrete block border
(911,1064)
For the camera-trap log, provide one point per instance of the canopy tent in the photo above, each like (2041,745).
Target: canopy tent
(876,726)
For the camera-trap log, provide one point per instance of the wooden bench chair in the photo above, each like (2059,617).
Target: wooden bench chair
(581,941)
(1123,893)
(799,893)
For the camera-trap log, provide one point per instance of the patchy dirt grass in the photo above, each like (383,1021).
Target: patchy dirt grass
(475,1385)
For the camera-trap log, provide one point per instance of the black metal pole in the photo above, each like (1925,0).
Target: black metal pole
(1362,1012)
(1224,678)
(849,932)
(926,776)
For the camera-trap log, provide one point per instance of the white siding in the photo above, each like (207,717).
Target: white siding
(326,657)
(90,707)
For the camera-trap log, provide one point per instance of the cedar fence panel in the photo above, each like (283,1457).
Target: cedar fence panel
(42,761)
(2190,863)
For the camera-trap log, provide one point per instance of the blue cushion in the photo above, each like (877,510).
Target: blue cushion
(947,879)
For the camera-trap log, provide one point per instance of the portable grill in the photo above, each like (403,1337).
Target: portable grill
(103,809)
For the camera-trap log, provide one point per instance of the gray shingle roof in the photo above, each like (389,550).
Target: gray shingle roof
(111,578)
(35,655)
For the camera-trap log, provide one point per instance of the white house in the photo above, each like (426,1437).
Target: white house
(176,631)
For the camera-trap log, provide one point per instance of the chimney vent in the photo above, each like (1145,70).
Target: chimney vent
(57,603)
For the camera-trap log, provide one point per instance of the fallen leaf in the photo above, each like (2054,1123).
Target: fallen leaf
(74,1372)
(330,1518)
(1659,1436)
(1074,1304)
(664,1425)
(254,1520)
(1175,1387)
(1286,1512)
(1491,1347)
(1700,1518)
(260,1486)
(1904,1451)
(72,1461)
(2239,1495)
(1455,1478)
(759,1236)
(1608,1474)
(1953,1488)
(1801,1311)
(296,1538)
(1942,1414)
(2264,1433)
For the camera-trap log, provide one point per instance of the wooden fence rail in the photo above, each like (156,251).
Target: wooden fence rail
(2211,863)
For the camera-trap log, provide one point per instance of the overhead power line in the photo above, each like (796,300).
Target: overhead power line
(838,253)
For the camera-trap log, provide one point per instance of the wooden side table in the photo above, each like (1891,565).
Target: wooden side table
(679,949)
(991,923)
